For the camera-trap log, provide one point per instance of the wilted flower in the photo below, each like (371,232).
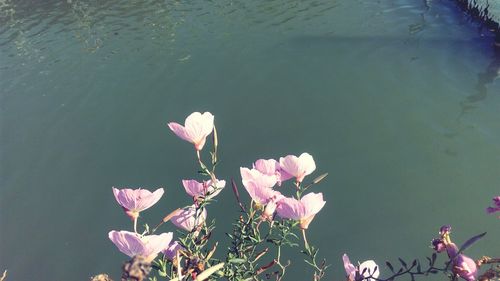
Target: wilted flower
(203,189)
(138,268)
(445,230)
(135,201)
(298,167)
(366,269)
(133,244)
(271,167)
(438,245)
(302,210)
(187,218)
(196,128)
(462,265)
(171,251)
(496,206)
(350,269)
(465,267)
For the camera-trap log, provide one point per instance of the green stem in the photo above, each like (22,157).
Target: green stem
(204,167)
(135,224)
(306,244)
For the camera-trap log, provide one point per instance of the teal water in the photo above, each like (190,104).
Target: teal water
(398,100)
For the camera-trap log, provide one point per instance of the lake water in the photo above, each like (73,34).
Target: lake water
(398,100)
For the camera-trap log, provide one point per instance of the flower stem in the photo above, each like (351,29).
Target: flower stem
(199,158)
(135,224)
(204,168)
(306,244)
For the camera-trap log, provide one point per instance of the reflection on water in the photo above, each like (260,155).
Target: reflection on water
(86,33)
(94,23)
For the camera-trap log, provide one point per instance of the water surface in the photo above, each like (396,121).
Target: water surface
(398,100)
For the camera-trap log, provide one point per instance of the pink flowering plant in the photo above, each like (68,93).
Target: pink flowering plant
(279,213)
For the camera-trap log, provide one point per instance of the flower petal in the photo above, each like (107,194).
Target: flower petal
(372,270)
(291,208)
(196,128)
(350,269)
(257,177)
(125,197)
(313,203)
(267,166)
(299,167)
(186,219)
(146,199)
(127,242)
(193,188)
(171,251)
(260,194)
(153,244)
(179,130)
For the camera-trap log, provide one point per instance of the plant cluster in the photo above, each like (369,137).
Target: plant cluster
(271,221)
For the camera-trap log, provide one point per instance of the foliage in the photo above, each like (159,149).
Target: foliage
(264,226)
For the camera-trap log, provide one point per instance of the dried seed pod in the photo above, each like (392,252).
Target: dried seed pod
(136,269)
(101,277)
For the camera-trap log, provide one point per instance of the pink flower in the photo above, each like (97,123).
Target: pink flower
(366,269)
(186,218)
(133,244)
(205,189)
(171,251)
(196,128)
(438,245)
(462,265)
(271,167)
(261,194)
(465,267)
(496,208)
(350,269)
(298,167)
(257,177)
(135,201)
(303,210)
(270,208)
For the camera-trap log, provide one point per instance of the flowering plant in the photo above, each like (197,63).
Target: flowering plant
(276,217)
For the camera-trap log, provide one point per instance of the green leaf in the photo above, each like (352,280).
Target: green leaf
(309,263)
(254,239)
(471,241)
(389,265)
(403,262)
(237,261)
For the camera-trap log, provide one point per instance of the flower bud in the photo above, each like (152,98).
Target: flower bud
(269,210)
(438,245)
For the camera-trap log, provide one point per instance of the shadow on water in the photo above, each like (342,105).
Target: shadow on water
(338,40)
(491,73)
(485,78)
